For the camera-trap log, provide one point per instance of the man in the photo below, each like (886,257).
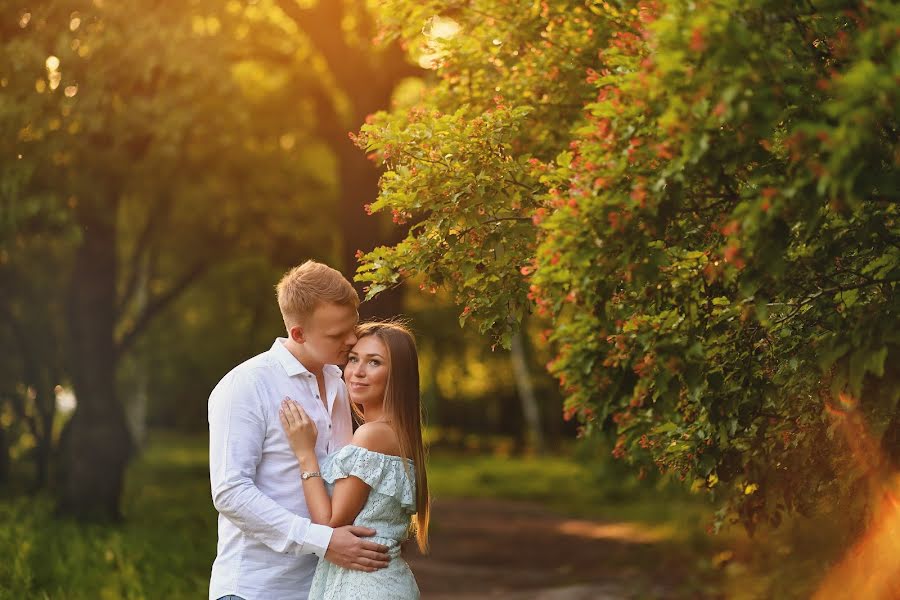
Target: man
(267,545)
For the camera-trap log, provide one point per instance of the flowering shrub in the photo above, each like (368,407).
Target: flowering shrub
(698,198)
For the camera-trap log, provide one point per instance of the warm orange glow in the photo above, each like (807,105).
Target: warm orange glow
(871,569)
(634,533)
(437,30)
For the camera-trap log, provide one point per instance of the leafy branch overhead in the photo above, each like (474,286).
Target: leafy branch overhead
(698,200)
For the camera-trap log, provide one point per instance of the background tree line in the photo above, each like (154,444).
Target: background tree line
(162,166)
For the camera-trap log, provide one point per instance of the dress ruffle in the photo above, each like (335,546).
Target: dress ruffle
(392,476)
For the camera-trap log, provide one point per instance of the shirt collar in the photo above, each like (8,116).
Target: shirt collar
(292,366)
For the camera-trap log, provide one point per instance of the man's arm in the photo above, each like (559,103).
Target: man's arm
(237,430)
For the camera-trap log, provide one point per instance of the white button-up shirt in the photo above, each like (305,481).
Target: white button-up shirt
(267,544)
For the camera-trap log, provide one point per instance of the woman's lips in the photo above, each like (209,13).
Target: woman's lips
(354,385)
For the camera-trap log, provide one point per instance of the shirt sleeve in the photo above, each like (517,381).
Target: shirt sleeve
(237,430)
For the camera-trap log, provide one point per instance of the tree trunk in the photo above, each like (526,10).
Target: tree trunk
(45,403)
(4,456)
(39,376)
(367,76)
(97,445)
(525,389)
(138,392)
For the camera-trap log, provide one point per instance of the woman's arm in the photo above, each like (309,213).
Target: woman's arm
(350,493)
(301,433)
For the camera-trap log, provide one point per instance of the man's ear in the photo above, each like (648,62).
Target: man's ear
(296,333)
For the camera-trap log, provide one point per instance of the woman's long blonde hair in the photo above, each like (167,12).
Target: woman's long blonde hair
(403,408)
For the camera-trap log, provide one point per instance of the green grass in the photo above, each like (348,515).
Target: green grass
(569,486)
(164,548)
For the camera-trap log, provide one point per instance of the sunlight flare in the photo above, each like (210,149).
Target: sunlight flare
(871,568)
(633,533)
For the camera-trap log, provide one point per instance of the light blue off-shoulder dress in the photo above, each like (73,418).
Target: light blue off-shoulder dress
(388,510)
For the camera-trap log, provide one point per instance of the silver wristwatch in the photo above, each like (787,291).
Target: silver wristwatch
(307,474)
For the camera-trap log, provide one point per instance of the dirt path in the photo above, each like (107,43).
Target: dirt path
(516,551)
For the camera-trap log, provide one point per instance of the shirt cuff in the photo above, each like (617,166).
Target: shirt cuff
(317,539)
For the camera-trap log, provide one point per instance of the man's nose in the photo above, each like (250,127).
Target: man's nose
(351,341)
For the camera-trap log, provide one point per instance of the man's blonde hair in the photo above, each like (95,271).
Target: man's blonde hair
(304,288)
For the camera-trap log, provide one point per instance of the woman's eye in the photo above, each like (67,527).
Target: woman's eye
(352,359)
(374,363)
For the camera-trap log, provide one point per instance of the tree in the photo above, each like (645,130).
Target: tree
(360,76)
(33,231)
(32,329)
(699,199)
(167,155)
(163,165)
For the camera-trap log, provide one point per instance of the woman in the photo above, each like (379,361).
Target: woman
(379,479)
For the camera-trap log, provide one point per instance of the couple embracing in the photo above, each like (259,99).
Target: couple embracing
(308,508)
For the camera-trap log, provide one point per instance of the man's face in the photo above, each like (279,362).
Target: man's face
(329,333)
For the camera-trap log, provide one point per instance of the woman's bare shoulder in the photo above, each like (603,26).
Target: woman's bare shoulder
(377,437)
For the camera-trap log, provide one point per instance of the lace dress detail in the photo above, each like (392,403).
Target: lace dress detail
(388,510)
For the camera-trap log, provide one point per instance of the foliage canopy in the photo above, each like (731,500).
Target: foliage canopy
(698,198)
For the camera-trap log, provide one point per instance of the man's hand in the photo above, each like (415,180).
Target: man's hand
(349,551)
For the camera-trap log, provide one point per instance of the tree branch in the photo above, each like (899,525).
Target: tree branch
(322,25)
(160,302)
(327,123)
(492,221)
(143,242)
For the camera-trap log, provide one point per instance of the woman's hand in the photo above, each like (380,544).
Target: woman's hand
(300,430)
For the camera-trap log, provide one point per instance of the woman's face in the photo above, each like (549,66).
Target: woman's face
(367,371)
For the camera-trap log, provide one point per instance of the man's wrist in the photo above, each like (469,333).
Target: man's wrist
(311,538)
(318,538)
